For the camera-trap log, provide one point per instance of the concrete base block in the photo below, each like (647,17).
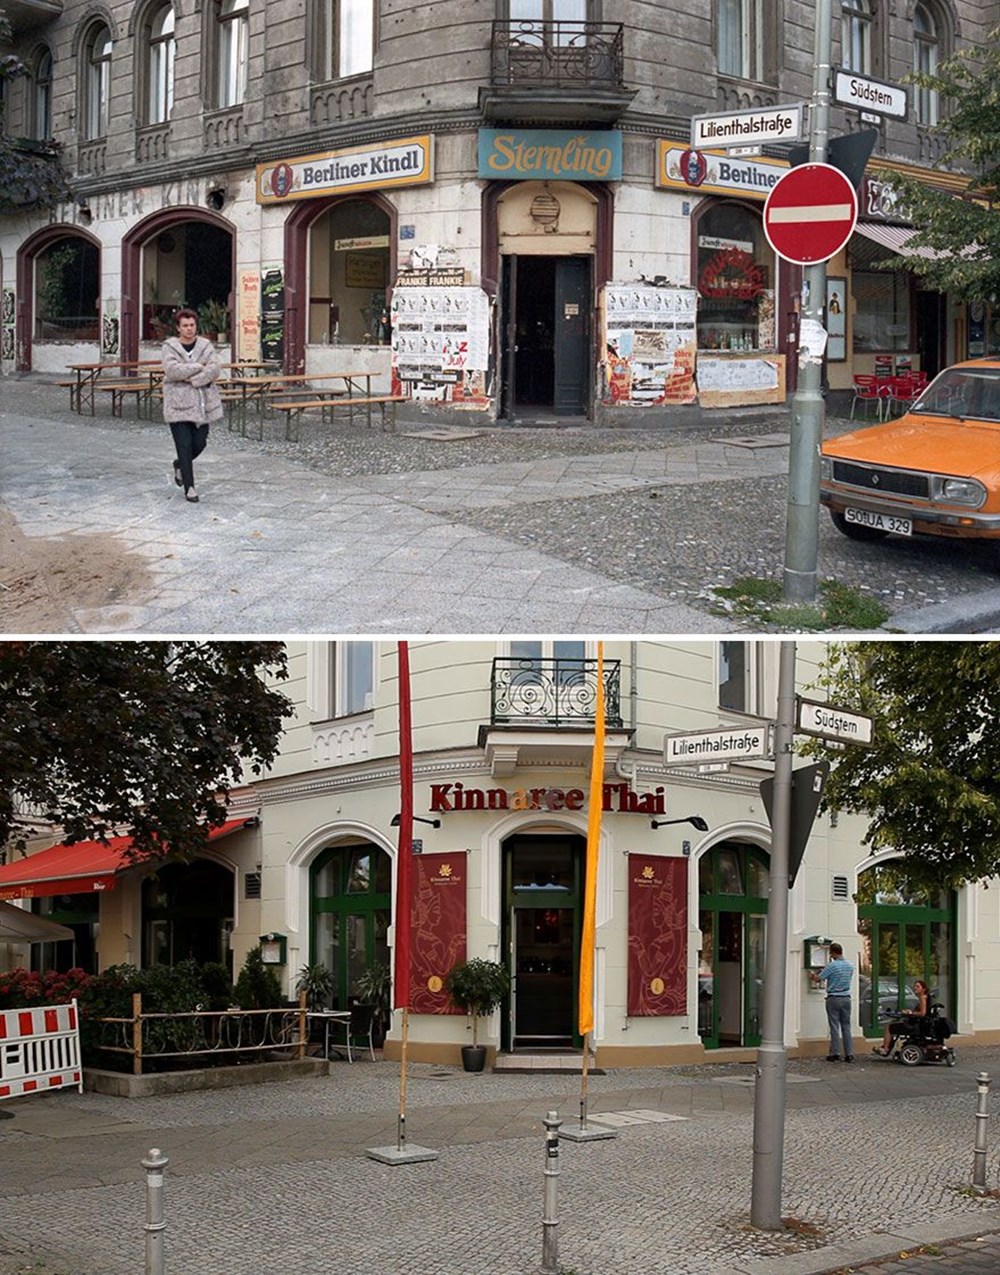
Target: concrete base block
(410,1154)
(592,1133)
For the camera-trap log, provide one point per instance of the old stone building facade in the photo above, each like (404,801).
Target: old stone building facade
(494,207)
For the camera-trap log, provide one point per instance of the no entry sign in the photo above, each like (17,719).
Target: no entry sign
(810,213)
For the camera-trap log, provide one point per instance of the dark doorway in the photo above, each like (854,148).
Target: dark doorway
(187,914)
(932,331)
(546,318)
(543,880)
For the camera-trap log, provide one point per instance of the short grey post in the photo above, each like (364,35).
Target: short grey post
(154,1164)
(982,1116)
(550,1219)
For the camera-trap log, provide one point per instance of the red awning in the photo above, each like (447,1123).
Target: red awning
(82,868)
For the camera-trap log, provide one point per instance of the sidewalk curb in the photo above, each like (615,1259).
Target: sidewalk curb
(975,613)
(883,1246)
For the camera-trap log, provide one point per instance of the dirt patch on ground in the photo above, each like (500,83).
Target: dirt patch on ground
(44,581)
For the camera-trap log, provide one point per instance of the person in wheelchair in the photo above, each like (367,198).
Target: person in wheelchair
(905,1025)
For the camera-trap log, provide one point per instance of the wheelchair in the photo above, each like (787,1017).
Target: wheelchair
(917,1040)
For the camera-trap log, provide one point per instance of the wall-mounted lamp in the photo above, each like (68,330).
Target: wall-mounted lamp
(216,198)
(83,210)
(696,821)
(434,823)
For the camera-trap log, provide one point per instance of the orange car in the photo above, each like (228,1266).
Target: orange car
(935,471)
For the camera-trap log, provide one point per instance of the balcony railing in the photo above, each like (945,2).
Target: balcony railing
(553,54)
(553,692)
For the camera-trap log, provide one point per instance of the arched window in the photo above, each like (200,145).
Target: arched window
(233,40)
(926,48)
(741,39)
(347,38)
(347,283)
(350,887)
(856,36)
(41,101)
(97,83)
(161,50)
(67,289)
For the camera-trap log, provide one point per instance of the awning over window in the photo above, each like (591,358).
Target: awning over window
(19,926)
(81,868)
(896,238)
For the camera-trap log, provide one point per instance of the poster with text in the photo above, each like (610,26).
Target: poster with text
(437,928)
(649,345)
(248,316)
(441,343)
(657,935)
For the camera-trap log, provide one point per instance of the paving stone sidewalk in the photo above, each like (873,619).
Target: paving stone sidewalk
(477,529)
(877,1162)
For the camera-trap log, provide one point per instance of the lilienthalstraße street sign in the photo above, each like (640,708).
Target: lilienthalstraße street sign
(744,743)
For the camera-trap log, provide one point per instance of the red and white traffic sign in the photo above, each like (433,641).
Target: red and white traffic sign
(810,213)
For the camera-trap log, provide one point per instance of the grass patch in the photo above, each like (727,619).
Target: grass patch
(837,606)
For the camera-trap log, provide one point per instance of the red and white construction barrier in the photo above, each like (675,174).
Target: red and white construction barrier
(39,1049)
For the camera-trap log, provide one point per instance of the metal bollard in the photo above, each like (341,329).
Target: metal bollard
(982,1116)
(550,1220)
(154,1164)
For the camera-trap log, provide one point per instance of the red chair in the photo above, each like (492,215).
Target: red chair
(867,390)
(902,393)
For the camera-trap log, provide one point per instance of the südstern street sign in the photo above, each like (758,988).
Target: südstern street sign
(869,95)
(745,743)
(829,722)
(746,128)
(810,214)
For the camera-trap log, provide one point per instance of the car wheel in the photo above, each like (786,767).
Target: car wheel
(911,1055)
(853,531)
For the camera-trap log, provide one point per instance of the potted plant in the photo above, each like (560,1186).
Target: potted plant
(316,981)
(373,988)
(479,987)
(214,319)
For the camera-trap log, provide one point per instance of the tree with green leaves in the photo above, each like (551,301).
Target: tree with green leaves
(930,783)
(137,738)
(965,230)
(31,175)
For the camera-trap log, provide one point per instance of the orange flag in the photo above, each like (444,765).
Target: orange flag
(586,1008)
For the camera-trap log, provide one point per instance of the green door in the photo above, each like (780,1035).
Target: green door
(732,917)
(906,934)
(351,888)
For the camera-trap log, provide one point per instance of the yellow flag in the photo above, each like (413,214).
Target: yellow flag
(586,1009)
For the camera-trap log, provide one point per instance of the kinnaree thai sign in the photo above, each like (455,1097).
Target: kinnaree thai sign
(616,798)
(408,162)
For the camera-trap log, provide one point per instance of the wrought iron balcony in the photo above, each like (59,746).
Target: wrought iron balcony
(552,70)
(553,692)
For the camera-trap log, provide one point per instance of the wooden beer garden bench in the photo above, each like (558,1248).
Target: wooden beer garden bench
(386,403)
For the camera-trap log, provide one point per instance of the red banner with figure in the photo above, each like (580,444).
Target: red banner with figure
(437,928)
(657,935)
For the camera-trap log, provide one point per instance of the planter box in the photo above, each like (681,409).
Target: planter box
(122,1085)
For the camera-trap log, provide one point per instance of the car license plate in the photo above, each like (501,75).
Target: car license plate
(879,522)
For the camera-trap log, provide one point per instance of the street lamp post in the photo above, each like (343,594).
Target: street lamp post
(802,524)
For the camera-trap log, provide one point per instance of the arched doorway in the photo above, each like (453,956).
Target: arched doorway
(543,876)
(547,253)
(733,884)
(187,914)
(907,932)
(177,257)
(350,889)
(58,290)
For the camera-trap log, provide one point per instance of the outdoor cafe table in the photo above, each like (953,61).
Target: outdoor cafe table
(260,390)
(87,375)
(328,1017)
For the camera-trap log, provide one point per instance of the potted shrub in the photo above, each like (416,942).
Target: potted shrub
(479,987)
(213,316)
(373,988)
(317,983)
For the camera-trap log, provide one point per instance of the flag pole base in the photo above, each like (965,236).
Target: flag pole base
(408,1154)
(590,1133)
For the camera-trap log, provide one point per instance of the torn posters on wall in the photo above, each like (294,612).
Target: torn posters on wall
(441,344)
(650,342)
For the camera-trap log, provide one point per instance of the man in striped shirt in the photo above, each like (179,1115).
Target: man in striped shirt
(837,976)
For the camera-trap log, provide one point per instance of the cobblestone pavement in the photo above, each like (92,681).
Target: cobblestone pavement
(475,528)
(877,1162)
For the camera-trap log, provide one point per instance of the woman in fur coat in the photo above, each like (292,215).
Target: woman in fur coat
(190,396)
